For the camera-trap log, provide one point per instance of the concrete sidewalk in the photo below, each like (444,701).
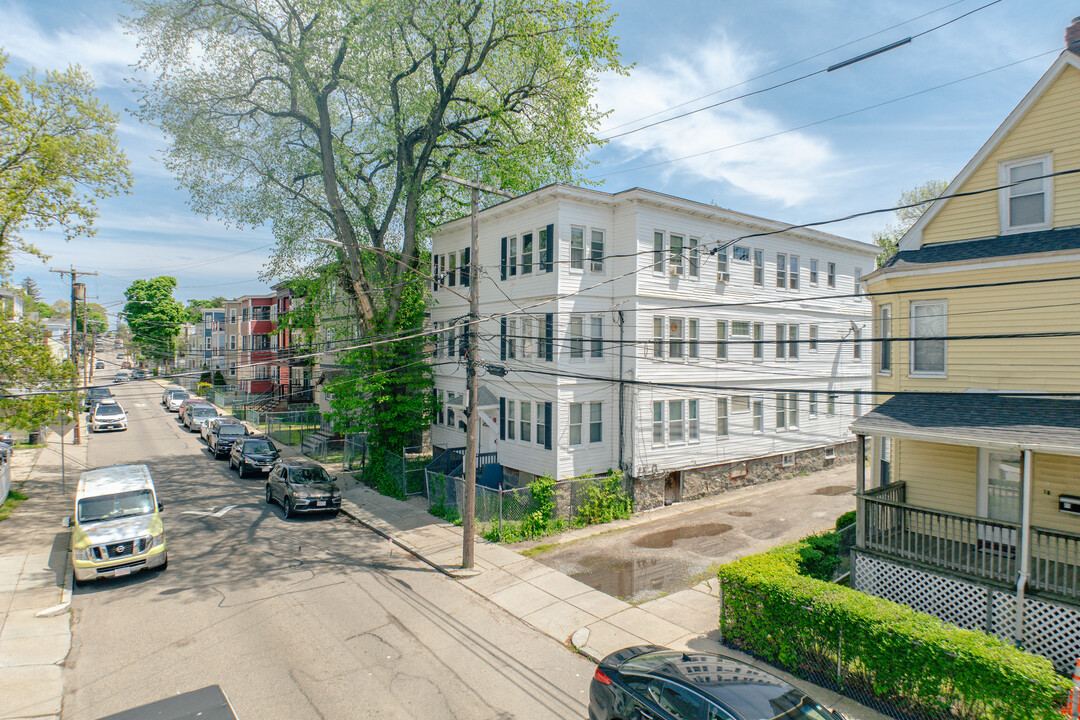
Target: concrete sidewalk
(35,581)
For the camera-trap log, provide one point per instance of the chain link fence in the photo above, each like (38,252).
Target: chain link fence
(354,452)
(291,427)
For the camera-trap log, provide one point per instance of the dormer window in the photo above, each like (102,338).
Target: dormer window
(1027,203)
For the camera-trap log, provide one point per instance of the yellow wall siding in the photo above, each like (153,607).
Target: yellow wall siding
(1052,125)
(1054,475)
(942,477)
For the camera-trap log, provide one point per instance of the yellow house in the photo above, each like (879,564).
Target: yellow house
(971,509)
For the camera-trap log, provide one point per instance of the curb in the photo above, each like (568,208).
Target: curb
(65,594)
(379,531)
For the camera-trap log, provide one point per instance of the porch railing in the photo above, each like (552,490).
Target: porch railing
(974,547)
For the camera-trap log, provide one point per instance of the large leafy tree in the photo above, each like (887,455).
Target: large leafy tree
(35,385)
(154,316)
(889,238)
(58,156)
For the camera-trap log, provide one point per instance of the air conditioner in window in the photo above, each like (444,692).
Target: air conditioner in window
(723,277)
(675,270)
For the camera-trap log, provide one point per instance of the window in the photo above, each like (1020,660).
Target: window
(676,342)
(928,320)
(692,432)
(856,403)
(577,340)
(510,419)
(441,404)
(793,410)
(740,253)
(740,403)
(438,340)
(658,422)
(528,340)
(811,403)
(512,256)
(658,336)
(856,343)
(793,272)
(512,338)
(597,337)
(721,339)
(232,342)
(575,423)
(693,253)
(759,268)
(526,421)
(758,406)
(675,421)
(721,417)
(596,422)
(781,270)
(541,425)
(675,246)
(781,411)
(596,251)
(831,276)
(721,265)
(542,252)
(885,450)
(793,341)
(787,460)
(451,271)
(442,270)
(740,328)
(526,253)
(830,404)
(658,254)
(451,401)
(577,248)
(1027,204)
(692,337)
(449,342)
(781,341)
(813,272)
(858,285)
(884,328)
(759,341)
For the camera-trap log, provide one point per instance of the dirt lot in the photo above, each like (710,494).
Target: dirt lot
(673,548)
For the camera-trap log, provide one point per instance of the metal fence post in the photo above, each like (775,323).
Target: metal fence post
(500,511)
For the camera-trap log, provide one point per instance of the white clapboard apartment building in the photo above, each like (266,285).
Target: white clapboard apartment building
(615,337)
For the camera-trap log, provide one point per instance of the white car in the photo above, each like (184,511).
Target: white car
(173,402)
(108,415)
(122,377)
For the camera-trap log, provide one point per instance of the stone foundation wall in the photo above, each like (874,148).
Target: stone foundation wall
(715,479)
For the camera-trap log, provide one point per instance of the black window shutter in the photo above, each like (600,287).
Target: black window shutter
(502,338)
(549,337)
(547,426)
(435,273)
(502,266)
(502,418)
(549,254)
(465,269)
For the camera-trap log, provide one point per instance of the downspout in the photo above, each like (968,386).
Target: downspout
(1025,545)
(622,395)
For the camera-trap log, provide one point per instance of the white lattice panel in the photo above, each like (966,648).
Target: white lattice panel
(1050,629)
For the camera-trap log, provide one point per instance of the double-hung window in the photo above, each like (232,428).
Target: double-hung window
(793,342)
(759,341)
(596,251)
(511,255)
(928,320)
(438,340)
(740,253)
(676,340)
(676,428)
(510,419)
(812,340)
(658,254)
(811,403)
(526,253)
(528,340)
(693,253)
(792,411)
(526,421)
(722,265)
(575,423)
(658,335)
(577,338)
(675,246)
(856,343)
(721,339)
(830,404)
(511,339)
(757,407)
(759,268)
(884,329)
(793,272)
(692,349)
(596,336)
(541,425)
(721,417)
(813,272)
(858,286)
(693,432)
(830,276)
(1027,203)
(781,411)
(596,422)
(452,270)
(781,270)
(658,422)
(781,341)
(577,248)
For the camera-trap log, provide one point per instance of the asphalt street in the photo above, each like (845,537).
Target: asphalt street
(307,618)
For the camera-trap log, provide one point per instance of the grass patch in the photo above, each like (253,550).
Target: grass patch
(29,446)
(14,499)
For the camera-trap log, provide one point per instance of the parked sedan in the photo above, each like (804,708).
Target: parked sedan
(301,486)
(169,391)
(648,681)
(255,454)
(222,435)
(174,400)
(196,415)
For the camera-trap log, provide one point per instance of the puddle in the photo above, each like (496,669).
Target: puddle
(834,490)
(667,538)
(740,513)
(632,579)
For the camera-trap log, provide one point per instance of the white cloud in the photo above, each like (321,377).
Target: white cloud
(787,168)
(103,50)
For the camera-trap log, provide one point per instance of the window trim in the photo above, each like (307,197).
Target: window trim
(577,250)
(1047,159)
(884,348)
(813,270)
(571,425)
(830,275)
(944,372)
(724,416)
(594,260)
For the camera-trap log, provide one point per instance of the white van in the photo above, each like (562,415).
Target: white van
(117,527)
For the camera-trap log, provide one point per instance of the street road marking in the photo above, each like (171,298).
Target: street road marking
(211,513)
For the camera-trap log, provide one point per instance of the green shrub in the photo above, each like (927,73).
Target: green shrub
(819,556)
(844,520)
(915,662)
(606,502)
(542,520)
(378,476)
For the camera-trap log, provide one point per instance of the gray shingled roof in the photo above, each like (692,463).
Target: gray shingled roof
(987,248)
(975,418)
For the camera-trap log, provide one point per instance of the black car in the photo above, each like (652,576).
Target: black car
(256,454)
(221,437)
(95,395)
(648,681)
(302,487)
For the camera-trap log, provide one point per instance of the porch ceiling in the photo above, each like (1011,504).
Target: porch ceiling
(1014,422)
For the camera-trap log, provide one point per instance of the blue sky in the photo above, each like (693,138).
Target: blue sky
(679,51)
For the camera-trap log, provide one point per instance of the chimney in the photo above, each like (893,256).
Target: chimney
(1072,36)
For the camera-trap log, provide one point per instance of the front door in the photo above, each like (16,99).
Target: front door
(1001,499)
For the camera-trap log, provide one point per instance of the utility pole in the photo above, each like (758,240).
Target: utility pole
(76,288)
(472,357)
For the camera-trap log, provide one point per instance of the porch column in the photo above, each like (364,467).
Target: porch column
(1027,468)
(860,488)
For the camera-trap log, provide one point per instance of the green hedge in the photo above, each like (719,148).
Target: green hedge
(886,653)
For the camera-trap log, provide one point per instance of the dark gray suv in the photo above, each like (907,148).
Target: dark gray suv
(301,486)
